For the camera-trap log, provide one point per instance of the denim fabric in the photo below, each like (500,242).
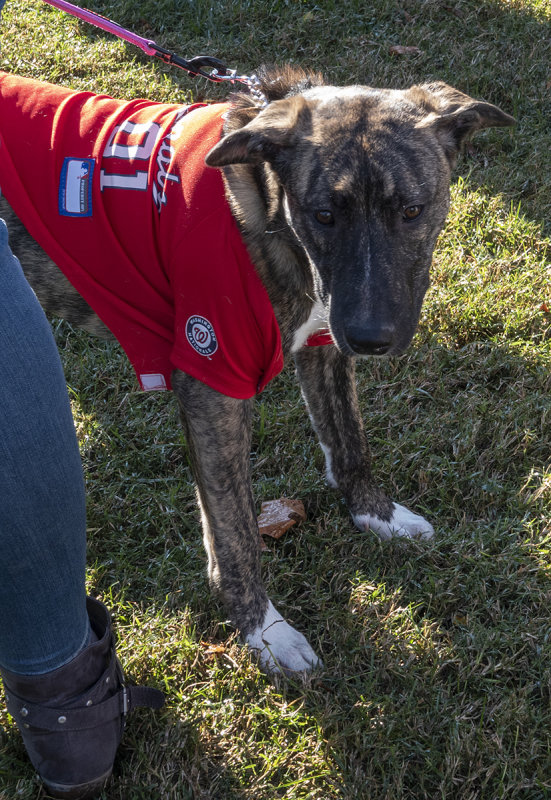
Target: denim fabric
(43,619)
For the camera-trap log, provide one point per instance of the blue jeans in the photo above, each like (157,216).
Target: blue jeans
(43,619)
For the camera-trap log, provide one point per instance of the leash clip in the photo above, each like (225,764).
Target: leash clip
(222,74)
(194,66)
(218,72)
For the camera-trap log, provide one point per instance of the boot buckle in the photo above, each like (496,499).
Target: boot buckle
(125,705)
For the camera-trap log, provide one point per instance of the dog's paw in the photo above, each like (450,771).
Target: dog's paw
(279,647)
(403,522)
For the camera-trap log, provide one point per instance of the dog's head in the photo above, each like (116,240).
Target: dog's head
(362,179)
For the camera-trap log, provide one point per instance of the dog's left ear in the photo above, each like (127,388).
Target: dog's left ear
(262,139)
(456,116)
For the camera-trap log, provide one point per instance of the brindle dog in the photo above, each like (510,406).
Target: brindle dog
(340,194)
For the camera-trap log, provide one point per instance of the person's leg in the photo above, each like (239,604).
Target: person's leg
(64,685)
(42,510)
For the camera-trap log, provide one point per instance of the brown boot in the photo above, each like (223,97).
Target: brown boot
(72,719)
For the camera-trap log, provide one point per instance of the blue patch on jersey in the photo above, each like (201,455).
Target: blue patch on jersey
(75,187)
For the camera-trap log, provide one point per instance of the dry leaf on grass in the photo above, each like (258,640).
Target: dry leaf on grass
(404,50)
(277,516)
(213,649)
(216,652)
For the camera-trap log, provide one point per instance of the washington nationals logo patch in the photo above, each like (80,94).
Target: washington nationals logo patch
(201,336)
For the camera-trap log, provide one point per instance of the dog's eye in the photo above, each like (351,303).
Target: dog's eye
(412,212)
(324,217)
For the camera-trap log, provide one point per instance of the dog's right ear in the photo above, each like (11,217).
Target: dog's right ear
(262,139)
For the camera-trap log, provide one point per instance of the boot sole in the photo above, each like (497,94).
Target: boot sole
(82,791)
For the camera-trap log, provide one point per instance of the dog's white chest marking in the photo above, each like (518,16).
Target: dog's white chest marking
(402,523)
(316,322)
(280,647)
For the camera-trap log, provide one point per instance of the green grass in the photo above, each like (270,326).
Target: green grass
(437,681)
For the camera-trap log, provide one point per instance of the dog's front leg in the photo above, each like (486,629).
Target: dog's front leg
(328,384)
(218,430)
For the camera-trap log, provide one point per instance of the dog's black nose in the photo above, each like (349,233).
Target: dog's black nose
(367,342)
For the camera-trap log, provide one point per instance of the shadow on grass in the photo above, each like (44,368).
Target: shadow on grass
(439,652)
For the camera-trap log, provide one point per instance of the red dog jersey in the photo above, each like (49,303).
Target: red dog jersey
(118,194)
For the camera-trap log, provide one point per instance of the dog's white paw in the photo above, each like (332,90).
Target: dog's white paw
(279,647)
(403,522)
